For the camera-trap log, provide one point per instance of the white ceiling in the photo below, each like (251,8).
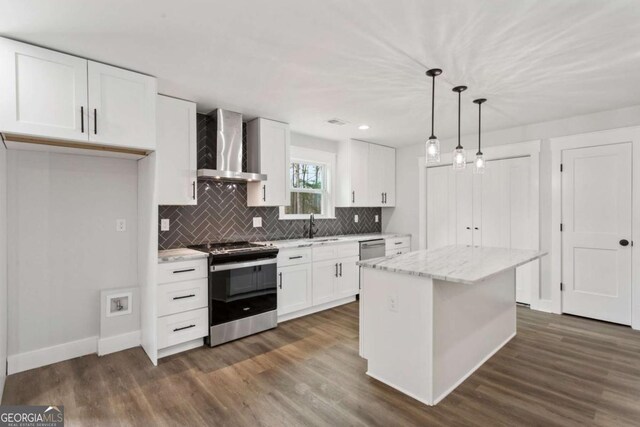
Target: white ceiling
(363,61)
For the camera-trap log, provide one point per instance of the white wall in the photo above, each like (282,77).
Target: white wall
(64,245)
(404,218)
(3,265)
(313,142)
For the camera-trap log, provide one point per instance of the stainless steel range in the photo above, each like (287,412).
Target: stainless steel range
(242,290)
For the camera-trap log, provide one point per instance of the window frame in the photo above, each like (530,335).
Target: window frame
(320,158)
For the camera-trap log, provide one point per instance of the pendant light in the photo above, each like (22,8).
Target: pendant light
(459,159)
(479,164)
(433,145)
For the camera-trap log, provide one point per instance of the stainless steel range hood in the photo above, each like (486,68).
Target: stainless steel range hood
(224,144)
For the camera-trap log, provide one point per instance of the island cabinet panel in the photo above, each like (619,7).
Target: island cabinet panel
(294,288)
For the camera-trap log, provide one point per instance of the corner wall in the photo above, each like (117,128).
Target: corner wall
(3,266)
(404,217)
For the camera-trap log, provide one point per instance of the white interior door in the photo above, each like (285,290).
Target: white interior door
(464,205)
(441,207)
(596,218)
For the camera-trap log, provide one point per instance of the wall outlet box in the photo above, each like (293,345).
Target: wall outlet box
(355,218)
(121,225)
(119,304)
(164,224)
(377,219)
(257,221)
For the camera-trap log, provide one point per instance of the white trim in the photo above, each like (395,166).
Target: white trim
(119,342)
(315,309)
(400,389)
(497,152)
(472,370)
(543,305)
(593,139)
(179,348)
(49,355)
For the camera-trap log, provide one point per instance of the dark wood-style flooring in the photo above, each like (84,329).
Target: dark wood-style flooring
(558,370)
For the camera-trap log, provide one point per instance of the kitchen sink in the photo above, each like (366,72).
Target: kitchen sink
(333,239)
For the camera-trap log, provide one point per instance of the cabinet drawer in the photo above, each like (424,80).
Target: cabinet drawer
(397,251)
(182,327)
(294,256)
(182,296)
(169,272)
(340,250)
(397,242)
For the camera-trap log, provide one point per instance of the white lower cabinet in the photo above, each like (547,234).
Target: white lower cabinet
(348,283)
(325,278)
(182,327)
(294,288)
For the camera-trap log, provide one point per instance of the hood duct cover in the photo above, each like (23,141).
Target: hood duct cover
(224,141)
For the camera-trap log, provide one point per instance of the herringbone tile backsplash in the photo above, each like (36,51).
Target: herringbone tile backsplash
(222,215)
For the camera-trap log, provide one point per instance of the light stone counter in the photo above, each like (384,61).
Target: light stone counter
(330,240)
(179,254)
(459,264)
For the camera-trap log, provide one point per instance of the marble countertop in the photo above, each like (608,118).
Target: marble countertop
(330,240)
(179,254)
(461,264)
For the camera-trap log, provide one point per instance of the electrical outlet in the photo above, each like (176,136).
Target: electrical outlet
(164,224)
(392,302)
(355,218)
(121,225)
(257,221)
(377,219)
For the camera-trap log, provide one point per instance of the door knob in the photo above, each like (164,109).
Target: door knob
(624,242)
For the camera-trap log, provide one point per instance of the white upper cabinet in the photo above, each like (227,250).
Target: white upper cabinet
(268,144)
(366,175)
(176,151)
(48,94)
(122,107)
(42,92)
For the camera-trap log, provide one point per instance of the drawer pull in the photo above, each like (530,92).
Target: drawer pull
(184,271)
(184,327)
(397,243)
(185,296)
(295,257)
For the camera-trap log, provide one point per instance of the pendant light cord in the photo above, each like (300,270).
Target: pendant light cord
(479,123)
(433,96)
(459,111)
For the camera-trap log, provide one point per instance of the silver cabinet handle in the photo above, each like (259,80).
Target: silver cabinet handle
(397,243)
(340,269)
(385,198)
(264,193)
(336,269)
(185,296)
(184,271)
(95,121)
(193,190)
(295,257)
(82,119)
(353,196)
(382,194)
(280,280)
(184,327)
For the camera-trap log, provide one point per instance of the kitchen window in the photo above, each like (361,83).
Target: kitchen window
(310,174)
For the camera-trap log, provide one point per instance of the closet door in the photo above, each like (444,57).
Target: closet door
(464,205)
(494,207)
(441,207)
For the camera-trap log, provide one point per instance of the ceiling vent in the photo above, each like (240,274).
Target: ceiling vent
(337,122)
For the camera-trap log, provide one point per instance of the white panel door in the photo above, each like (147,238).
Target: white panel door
(493,226)
(359,159)
(348,283)
(375,172)
(122,107)
(464,206)
(325,276)
(294,288)
(596,217)
(441,207)
(177,151)
(43,93)
(389,176)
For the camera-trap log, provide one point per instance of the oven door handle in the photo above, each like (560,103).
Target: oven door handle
(236,265)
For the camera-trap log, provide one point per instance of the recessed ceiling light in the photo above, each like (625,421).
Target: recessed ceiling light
(363,127)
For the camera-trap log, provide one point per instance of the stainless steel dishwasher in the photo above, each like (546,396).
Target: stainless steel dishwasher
(370,249)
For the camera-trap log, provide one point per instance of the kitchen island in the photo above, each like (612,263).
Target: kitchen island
(430,318)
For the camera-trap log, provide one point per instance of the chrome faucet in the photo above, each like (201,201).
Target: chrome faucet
(312,226)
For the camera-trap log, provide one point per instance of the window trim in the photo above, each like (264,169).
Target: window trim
(321,158)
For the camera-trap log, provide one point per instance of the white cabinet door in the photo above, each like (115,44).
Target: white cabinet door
(359,172)
(122,107)
(389,176)
(375,171)
(43,93)
(325,276)
(294,288)
(268,144)
(348,283)
(176,151)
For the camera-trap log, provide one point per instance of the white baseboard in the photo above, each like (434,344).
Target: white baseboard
(315,309)
(179,348)
(543,305)
(119,342)
(48,355)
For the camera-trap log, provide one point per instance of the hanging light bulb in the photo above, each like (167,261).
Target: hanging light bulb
(479,164)
(432,144)
(459,158)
